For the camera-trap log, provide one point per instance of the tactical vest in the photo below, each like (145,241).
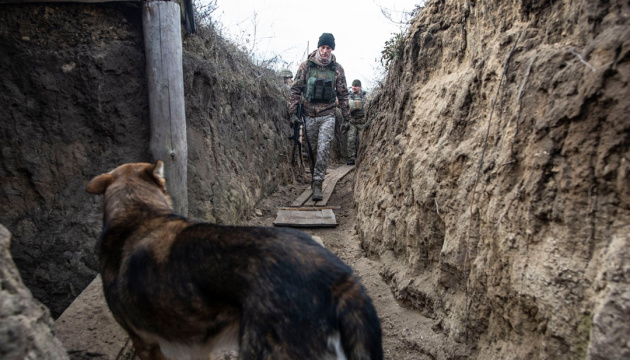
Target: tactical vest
(357,104)
(320,84)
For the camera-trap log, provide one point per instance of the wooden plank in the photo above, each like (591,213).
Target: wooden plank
(303,218)
(329,185)
(303,198)
(62,1)
(311,208)
(317,218)
(161,22)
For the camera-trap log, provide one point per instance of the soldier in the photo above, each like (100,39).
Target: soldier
(287,77)
(357,119)
(322,82)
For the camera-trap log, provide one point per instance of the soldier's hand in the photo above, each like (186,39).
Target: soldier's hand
(345,126)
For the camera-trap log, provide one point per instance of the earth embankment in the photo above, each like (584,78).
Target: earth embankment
(494,181)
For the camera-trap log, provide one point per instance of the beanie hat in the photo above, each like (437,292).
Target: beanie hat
(356,83)
(327,39)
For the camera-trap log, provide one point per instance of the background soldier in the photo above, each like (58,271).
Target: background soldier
(287,78)
(357,123)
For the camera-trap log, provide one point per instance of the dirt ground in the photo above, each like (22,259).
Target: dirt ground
(406,333)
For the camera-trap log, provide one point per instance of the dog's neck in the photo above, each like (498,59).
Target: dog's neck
(123,202)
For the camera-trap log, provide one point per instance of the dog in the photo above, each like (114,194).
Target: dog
(184,289)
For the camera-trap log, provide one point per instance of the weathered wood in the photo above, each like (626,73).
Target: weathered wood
(304,218)
(310,208)
(163,52)
(329,185)
(303,198)
(61,1)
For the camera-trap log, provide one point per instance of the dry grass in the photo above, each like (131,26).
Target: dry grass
(227,57)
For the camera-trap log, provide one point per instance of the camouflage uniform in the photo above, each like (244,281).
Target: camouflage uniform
(319,115)
(316,109)
(286,88)
(357,122)
(286,91)
(322,130)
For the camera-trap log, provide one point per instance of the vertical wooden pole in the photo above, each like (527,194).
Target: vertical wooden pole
(163,53)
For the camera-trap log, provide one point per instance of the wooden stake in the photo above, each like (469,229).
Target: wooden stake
(165,82)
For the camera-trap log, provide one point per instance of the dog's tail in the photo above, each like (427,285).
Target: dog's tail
(359,326)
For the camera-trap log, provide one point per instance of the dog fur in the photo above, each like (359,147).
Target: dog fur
(183,289)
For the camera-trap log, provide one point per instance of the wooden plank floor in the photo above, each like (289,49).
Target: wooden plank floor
(327,188)
(305,212)
(303,198)
(306,218)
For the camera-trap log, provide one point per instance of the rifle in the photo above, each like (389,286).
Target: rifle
(300,115)
(296,145)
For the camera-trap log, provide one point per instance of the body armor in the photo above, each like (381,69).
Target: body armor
(320,86)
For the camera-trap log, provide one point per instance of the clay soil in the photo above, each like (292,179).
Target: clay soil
(404,330)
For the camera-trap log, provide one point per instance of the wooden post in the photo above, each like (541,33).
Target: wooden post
(165,81)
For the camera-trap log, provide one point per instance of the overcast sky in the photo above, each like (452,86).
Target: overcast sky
(289,27)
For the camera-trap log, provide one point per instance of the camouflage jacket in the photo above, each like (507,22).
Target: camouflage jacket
(357,104)
(319,109)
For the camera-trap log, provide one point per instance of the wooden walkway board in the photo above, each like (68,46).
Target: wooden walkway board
(306,218)
(311,208)
(303,198)
(327,188)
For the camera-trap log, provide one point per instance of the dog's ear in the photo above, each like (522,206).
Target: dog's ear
(98,185)
(157,172)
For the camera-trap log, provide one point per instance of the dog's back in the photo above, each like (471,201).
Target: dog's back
(185,289)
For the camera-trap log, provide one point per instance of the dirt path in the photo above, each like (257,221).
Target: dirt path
(406,333)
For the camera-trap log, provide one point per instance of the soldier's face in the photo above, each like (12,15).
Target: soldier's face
(325,51)
(356,89)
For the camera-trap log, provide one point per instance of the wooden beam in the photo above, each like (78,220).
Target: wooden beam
(302,198)
(165,82)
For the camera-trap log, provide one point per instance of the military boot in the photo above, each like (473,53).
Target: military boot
(317,191)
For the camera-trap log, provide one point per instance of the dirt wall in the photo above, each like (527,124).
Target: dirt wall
(75,105)
(73,90)
(494,180)
(238,129)
(26,328)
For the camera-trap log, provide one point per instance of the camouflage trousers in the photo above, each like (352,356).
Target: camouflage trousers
(320,132)
(355,131)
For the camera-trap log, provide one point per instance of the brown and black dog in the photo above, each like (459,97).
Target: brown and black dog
(183,289)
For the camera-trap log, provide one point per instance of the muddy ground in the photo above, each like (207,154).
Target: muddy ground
(406,333)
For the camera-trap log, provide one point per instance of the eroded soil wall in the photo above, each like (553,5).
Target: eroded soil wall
(74,99)
(494,182)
